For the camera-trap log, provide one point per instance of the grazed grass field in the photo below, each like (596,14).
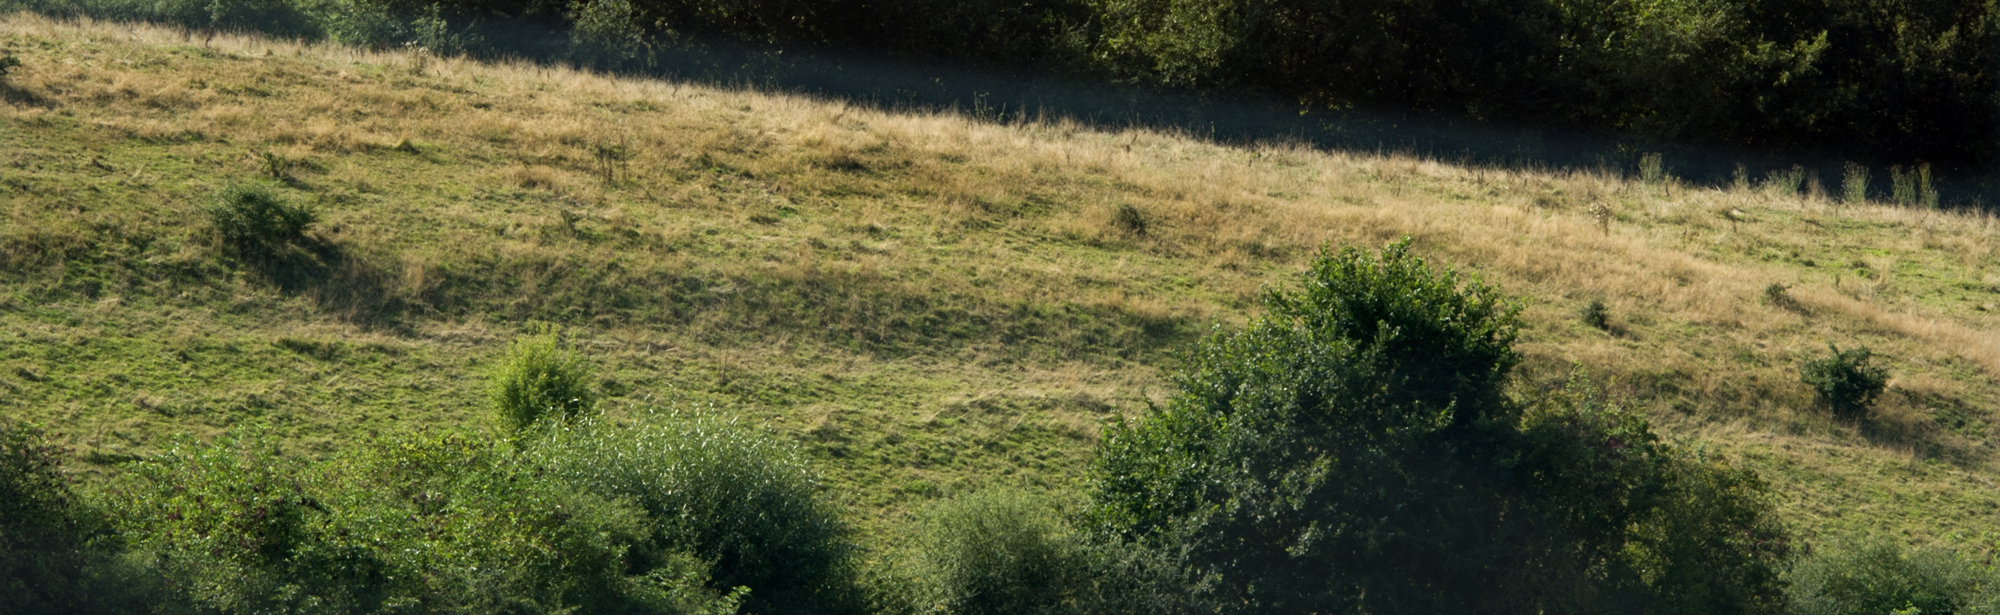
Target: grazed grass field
(928,302)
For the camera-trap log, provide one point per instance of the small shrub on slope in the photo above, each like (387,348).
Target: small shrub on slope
(1847,381)
(1595,315)
(540,377)
(257,222)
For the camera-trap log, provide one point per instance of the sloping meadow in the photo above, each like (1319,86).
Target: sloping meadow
(927,302)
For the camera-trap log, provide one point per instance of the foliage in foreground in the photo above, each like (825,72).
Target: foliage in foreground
(674,515)
(1885,578)
(744,503)
(1007,552)
(1353,451)
(56,555)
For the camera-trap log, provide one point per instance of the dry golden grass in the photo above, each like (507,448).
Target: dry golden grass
(405,149)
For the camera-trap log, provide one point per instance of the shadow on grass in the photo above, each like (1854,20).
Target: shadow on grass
(1935,426)
(858,313)
(22,96)
(339,281)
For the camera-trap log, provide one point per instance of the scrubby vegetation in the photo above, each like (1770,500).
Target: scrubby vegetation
(899,339)
(454,523)
(57,554)
(1352,450)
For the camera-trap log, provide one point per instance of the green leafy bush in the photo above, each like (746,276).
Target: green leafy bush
(239,527)
(999,552)
(1353,452)
(1885,578)
(486,530)
(607,30)
(1847,382)
(721,492)
(428,523)
(540,377)
(35,499)
(1004,551)
(1655,526)
(257,222)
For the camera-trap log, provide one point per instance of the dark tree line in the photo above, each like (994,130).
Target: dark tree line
(1899,79)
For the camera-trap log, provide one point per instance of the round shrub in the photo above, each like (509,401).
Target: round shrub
(257,222)
(540,377)
(484,530)
(1847,382)
(998,552)
(1596,315)
(725,493)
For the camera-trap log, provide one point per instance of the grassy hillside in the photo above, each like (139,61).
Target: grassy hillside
(926,301)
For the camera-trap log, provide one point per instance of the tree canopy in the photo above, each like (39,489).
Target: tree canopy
(1355,450)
